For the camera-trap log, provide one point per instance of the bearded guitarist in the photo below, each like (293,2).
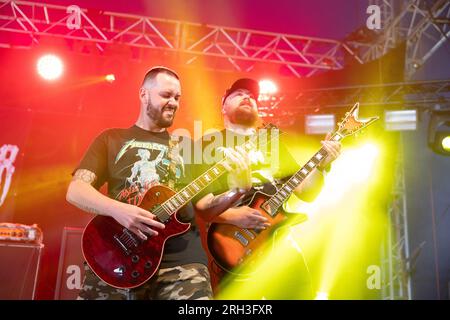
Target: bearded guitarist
(269,166)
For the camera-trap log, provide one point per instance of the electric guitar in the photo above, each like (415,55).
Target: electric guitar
(122,259)
(235,249)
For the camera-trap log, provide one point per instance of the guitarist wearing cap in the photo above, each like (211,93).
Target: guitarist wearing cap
(269,167)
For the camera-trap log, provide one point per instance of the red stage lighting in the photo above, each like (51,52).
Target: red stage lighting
(50,67)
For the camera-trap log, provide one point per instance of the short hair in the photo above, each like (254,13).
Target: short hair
(153,72)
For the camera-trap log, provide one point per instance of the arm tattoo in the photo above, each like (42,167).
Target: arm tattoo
(85,176)
(88,209)
(88,177)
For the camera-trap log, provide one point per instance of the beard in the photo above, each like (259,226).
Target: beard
(244,116)
(157,116)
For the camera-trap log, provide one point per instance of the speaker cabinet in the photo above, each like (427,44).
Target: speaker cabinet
(70,269)
(19,269)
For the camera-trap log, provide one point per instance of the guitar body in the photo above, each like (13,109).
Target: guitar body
(118,256)
(232,247)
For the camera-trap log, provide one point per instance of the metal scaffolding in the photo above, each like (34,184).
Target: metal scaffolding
(412,94)
(425,28)
(396,262)
(423,25)
(287,108)
(224,48)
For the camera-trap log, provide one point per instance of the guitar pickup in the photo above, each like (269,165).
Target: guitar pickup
(249,233)
(241,238)
(131,237)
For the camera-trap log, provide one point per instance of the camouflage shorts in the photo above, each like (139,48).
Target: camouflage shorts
(186,282)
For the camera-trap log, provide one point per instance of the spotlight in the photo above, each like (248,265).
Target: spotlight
(267,88)
(446,143)
(319,124)
(321,296)
(50,67)
(110,78)
(439,132)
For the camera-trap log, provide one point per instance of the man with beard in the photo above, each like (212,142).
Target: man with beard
(131,161)
(269,168)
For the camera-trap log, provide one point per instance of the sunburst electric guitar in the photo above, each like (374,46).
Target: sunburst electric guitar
(123,260)
(232,247)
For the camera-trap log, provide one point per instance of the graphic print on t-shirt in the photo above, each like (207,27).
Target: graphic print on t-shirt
(144,165)
(262,172)
(144,172)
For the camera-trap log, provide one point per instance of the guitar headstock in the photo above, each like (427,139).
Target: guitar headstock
(350,124)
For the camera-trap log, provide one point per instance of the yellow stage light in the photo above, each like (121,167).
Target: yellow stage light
(446,143)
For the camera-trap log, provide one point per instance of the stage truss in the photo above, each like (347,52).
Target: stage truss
(425,28)
(395,256)
(288,108)
(423,25)
(232,49)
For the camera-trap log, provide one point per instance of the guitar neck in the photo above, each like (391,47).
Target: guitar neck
(182,197)
(286,190)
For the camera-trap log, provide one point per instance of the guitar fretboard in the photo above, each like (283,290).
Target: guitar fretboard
(183,196)
(286,190)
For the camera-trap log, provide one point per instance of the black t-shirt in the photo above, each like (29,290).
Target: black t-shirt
(133,160)
(271,162)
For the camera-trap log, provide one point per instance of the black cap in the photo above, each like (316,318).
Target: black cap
(244,83)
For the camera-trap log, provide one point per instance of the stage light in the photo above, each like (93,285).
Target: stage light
(110,78)
(319,124)
(267,90)
(446,143)
(400,120)
(439,132)
(50,67)
(353,167)
(267,87)
(340,220)
(321,296)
